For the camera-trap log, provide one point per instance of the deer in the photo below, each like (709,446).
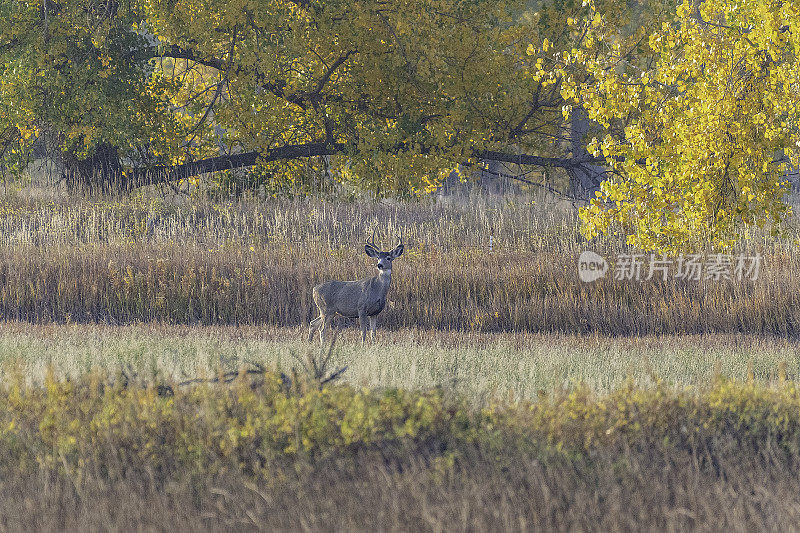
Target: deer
(363,299)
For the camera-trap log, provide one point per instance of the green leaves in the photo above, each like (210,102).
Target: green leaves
(408,89)
(67,72)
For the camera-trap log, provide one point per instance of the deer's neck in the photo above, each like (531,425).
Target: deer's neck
(384,277)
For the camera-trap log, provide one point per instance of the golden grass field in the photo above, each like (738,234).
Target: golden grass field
(255,263)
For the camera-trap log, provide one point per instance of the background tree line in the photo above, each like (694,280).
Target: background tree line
(675,123)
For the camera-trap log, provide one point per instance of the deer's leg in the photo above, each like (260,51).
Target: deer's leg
(373,321)
(314,326)
(362,321)
(326,321)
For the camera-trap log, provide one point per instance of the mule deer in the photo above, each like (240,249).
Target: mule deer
(362,299)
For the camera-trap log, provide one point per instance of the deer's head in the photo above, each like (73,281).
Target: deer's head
(384,258)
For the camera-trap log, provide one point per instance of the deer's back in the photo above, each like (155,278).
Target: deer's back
(339,297)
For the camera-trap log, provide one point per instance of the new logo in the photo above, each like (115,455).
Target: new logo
(591,266)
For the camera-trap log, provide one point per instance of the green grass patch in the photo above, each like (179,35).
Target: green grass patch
(479,367)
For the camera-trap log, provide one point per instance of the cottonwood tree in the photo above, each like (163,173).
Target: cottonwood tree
(64,79)
(708,124)
(397,92)
(393,94)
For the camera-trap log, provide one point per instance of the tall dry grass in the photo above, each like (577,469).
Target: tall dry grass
(255,263)
(631,490)
(517,223)
(465,290)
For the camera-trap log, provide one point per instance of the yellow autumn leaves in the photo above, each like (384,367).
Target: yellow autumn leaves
(708,122)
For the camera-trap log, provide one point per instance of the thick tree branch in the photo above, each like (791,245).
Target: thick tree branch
(176,52)
(217,93)
(525,159)
(328,73)
(300,98)
(163,173)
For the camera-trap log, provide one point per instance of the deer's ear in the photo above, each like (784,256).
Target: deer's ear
(371,251)
(397,252)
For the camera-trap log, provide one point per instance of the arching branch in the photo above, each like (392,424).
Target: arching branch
(163,173)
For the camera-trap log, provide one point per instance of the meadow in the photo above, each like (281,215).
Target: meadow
(478,367)
(254,263)
(155,372)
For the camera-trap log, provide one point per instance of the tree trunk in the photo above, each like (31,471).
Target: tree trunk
(585,179)
(490,177)
(101,172)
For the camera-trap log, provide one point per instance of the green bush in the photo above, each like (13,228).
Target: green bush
(259,418)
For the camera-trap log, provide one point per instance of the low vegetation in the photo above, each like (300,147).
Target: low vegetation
(269,450)
(153,370)
(476,366)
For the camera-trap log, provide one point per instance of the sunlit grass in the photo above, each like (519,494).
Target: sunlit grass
(515,223)
(172,291)
(479,366)
(467,291)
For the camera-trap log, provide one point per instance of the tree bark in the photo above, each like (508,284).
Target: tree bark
(163,173)
(101,172)
(585,179)
(143,176)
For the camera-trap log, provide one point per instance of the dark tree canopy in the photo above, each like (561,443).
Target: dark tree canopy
(397,93)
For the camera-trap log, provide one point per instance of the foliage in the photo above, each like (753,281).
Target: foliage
(99,450)
(397,92)
(67,79)
(405,89)
(709,124)
(255,420)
